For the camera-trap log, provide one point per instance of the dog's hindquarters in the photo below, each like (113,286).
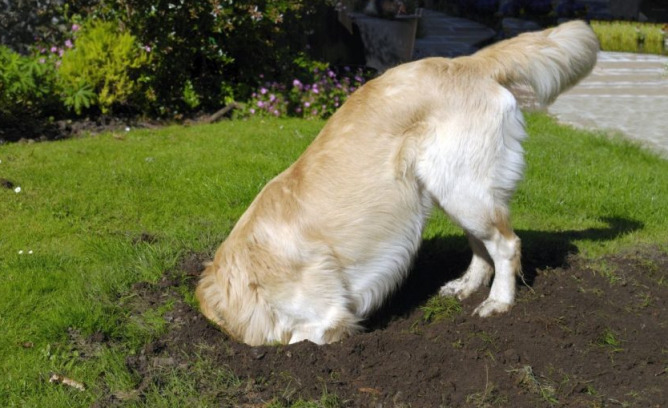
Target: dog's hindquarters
(471,168)
(480,147)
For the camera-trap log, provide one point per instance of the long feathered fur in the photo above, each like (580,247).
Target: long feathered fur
(327,240)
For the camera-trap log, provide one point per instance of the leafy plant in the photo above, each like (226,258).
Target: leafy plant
(26,82)
(104,62)
(318,92)
(79,95)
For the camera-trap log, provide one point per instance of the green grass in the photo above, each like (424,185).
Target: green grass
(87,205)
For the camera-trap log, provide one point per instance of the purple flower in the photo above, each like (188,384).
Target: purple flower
(252,111)
(307,104)
(68,43)
(276,112)
(75,27)
(272,98)
(147,48)
(54,49)
(260,104)
(263,91)
(297,83)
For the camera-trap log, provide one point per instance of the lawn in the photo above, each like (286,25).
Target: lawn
(98,214)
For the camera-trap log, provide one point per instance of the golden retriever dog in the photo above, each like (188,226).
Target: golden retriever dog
(326,241)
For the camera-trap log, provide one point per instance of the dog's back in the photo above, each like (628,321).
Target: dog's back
(327,240)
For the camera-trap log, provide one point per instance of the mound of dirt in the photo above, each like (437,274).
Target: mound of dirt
(586,333)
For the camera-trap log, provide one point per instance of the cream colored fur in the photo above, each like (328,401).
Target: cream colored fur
(327,240)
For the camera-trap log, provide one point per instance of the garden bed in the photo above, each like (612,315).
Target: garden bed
(577,337)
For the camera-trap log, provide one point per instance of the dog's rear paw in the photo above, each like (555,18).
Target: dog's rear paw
(458,288)
(491,307)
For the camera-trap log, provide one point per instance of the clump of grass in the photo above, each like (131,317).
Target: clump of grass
(629,36)
(439,308)
(489,397)
(527,378)
(610,341)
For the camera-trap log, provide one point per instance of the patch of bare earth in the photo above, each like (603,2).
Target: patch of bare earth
(586,333)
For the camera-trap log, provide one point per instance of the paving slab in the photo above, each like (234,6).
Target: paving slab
(625,92)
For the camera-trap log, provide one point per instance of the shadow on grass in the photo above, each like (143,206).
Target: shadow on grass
(445,258)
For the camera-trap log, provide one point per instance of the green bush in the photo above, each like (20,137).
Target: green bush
(629,36)
(207,53)
(101,68)
(26,83)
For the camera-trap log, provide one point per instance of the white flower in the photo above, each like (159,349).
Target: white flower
(21,252)
(127,128)
(30,252)
(17,190)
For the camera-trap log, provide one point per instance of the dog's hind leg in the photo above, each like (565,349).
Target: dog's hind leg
(478,273)
(503,247)
(494,243)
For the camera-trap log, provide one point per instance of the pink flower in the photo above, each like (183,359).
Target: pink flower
(68,43)
(54,49)
(147,48)
(307,104)
(252,111)
(263,91)
(75,27)
(260,104)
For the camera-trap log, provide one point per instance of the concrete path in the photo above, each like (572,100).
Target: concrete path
(625,92)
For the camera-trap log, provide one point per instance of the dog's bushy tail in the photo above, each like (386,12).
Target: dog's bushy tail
(550,61)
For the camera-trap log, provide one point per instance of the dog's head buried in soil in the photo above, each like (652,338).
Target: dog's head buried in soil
(327,240)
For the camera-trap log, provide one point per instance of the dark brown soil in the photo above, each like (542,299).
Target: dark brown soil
(584,334)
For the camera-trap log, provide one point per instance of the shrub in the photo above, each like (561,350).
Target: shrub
(315,93)
(629,36)
(206,53)
(101,68)
(26,83)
